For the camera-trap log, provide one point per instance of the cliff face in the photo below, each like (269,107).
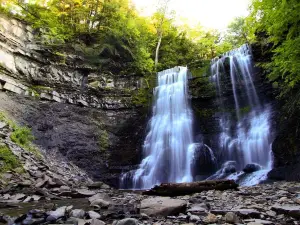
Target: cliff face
(71,107)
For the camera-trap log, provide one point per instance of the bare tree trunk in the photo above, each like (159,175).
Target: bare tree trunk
(157,51)
(163,11)
(177,189)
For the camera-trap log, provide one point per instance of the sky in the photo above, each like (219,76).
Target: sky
(211,14)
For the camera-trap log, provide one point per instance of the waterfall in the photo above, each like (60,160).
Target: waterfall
(168,147)
(245,137)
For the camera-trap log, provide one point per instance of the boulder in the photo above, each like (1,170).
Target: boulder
(127,221)
(58,213)
(95,185)
(247,213)
(252,167)
(94,215)
(194,218)
(101,203)
(162,206)
(257,221)
(290,210)
(198,209)
(2,125)
(83,193)
(97,222)
(210,218)
(102,196)
(77,213)
(231,217)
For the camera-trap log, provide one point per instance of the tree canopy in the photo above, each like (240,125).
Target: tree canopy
(113,36)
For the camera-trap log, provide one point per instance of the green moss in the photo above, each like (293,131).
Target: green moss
(201,87)
(21,135)
(95,84)
(142,97)
(41,88)
(62,56)
(8,160)
(103,140)
(205,113)
(34,92)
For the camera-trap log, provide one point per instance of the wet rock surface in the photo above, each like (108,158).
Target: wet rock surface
(99,142)
(274,203)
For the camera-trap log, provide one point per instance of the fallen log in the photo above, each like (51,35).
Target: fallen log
(177,189)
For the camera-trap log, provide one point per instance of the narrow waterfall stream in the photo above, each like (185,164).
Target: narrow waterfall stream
(168,147)
(245,138)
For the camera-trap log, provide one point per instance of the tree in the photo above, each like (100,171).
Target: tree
(161,19)
(237,32)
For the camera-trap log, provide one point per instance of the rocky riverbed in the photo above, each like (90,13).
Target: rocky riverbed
(274,203)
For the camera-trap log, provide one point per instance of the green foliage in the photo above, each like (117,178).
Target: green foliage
(280,21)
(110,35)
(142,97)
(21,135)
(201,87)
(8,160)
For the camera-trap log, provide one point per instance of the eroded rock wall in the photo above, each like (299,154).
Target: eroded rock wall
(87,117)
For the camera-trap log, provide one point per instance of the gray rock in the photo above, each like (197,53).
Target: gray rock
(194,218)
(25,183)
(251,167)
(247,213)
(162,206)
(42,182)
(291,210)
(95,185)
(36,197)
(58,213)
(94,215)
(210,218)
(97,222)
(82,193)
(101,203)
(257,222)
(102,196)
(33,221)
(18,197)
(2,124)
(77,213)
(71,220)
(197,209)
(127,221)
(28,199)
(45,96)
(64,188)
(231,217)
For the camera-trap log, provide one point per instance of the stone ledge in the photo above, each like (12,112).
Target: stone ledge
(106,102)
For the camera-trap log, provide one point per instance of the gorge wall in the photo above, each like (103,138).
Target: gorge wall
(90,118)
(73,109)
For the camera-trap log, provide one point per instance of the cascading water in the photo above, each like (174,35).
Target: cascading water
(168,147)
(245,137)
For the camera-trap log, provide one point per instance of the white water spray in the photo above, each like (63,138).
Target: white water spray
(250,140)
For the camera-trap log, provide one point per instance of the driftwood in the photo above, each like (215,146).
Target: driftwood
(177,189)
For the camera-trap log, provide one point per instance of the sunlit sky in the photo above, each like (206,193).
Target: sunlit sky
(211,14)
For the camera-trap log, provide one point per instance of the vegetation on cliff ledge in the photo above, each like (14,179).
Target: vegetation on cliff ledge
(21,135)
(8,160)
